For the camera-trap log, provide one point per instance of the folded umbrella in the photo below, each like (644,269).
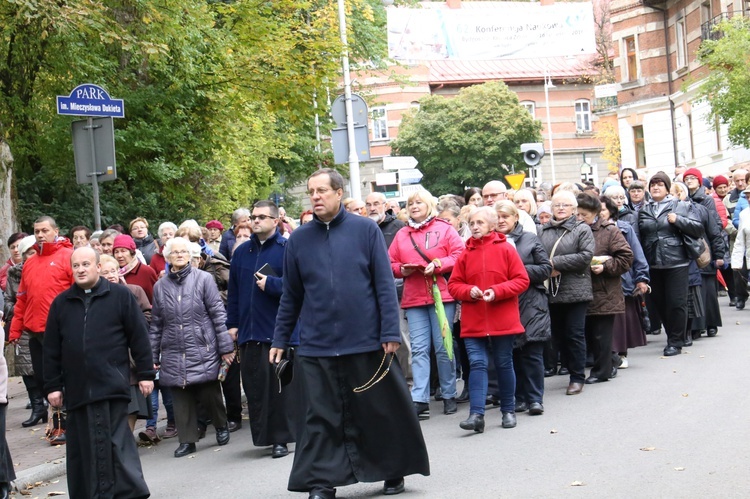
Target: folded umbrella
(445,329)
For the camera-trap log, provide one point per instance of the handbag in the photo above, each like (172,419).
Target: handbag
(552,284)
(696,247)
(284,369)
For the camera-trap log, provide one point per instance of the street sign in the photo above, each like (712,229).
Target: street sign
(516,180)
(90,100)
(359,110)
(409,176)
(399,162)
(386,178)
(340,143)
(103,165)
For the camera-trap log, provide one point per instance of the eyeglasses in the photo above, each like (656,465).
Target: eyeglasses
(690,177)
(260,217)
(181,252)
(320,191)
(560,206)
(493,195)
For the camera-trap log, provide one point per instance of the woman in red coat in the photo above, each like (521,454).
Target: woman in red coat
(487,278)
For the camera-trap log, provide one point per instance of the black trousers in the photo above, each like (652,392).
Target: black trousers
(36,348)
(233,392)
(599,342)
(728,275)
(528,362)
(569,337)
(739,282)
(7,472)
(669,291)
(185,401)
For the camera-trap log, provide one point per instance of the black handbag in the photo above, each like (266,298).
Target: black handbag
(284,369)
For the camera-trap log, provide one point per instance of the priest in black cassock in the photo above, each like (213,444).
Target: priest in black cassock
(91,329)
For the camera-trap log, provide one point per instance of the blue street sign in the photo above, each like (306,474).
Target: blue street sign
(90,100)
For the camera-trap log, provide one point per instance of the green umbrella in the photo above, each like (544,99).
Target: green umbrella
(445,329)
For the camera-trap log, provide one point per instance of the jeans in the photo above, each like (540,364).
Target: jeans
(502,352)
(424,330)
(166,397)
(568,322)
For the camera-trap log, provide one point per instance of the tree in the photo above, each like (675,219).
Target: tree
(727,86)
(467,140)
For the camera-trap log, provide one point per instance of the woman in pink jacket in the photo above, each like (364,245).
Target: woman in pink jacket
(427,247)
(488,278)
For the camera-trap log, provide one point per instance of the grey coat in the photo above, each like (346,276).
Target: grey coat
(572,258)
(532,303)
(22,363)
(188,331)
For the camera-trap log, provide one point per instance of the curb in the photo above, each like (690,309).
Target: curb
(42,473)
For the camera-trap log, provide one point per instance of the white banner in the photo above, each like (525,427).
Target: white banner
(490,30)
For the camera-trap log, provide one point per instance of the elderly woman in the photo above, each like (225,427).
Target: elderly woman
(488,278)
(451,213)
(570,245)
(612,258)
(132,269)
(107,240)
(423,253)
(189,340)
(624,212)
(544,213)
(528,354)
(662,223)
(80,236)
(15,257)
(627,331)
(143,240)
(215,228)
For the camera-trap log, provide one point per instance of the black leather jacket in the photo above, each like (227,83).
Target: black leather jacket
(662,241)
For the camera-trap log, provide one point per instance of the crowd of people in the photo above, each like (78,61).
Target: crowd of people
(544,282)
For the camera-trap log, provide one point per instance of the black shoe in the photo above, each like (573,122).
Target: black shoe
(613,373)
(509,420)
(670,351)
(711,332)
(688,341)
(464,397)
(5,490)
(563,371)
(234,426)
(222,436)
(319,493)
(522,407)
(279,450)
(655,332)
(733,302)
(201,432)
(450,406)
(536,409)
(423,410)
(38,415)
(492,400)
(695,335)
(184,450)
(548,373)
(475,422)
(438,394)
(393,487)
(740,304)
(592,380)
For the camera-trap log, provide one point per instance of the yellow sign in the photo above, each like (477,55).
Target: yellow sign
(516,180)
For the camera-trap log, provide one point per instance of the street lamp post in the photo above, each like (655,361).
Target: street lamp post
(354,183)
(547,85)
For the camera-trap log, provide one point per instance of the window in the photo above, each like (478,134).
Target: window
(706,11)
(681,37)
(583,116)
(631,60)
(379,123)
(530,107)
(640,147)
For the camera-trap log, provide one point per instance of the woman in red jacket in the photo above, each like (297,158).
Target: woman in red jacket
(427,247)
(488,278)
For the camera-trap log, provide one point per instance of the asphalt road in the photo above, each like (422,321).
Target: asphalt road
(665,427)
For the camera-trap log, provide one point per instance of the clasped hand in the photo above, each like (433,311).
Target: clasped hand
(486,295)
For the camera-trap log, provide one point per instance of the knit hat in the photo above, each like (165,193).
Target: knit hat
(124,241)
(661,177)
(544,208)
(26,244)
(695,173)
(608,183)
(720,180)
(214,224)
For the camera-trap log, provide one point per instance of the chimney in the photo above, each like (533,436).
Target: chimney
(547,2)
(453,4)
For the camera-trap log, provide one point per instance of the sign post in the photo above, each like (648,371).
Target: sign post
(91,100)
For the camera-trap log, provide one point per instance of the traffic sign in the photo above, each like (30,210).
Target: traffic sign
(399,162)
(409,176)
(90,100)
(516,180)
(97,161)
(359,111)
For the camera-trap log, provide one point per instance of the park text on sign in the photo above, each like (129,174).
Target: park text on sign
(90,100)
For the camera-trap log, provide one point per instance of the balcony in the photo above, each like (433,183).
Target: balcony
(707,28)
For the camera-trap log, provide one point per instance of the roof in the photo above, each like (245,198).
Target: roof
(457,71)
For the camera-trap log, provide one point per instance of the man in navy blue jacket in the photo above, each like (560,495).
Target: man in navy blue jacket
(252,302)
(338,283)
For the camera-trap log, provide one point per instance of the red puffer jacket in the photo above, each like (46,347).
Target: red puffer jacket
(45,275)
(486,263)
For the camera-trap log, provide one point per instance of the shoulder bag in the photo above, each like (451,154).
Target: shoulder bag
(552,284)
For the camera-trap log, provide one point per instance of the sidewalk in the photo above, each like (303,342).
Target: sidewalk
(34,459)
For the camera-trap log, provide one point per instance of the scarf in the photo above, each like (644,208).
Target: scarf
(418,225)
(180,275)
(129,267)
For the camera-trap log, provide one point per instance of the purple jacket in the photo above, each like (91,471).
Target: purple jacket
(188,331)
